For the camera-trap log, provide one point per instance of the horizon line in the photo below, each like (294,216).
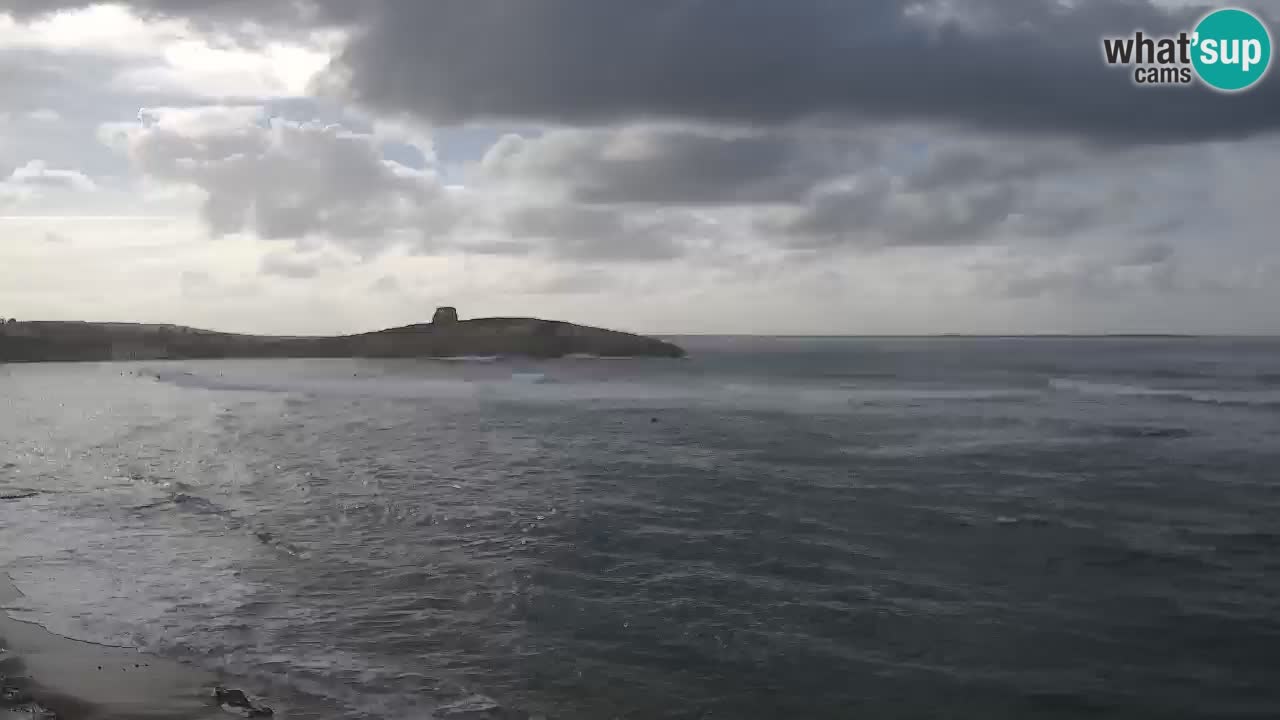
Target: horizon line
(798,336)
(979,335)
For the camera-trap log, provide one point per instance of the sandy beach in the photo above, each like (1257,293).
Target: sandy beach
(71,680)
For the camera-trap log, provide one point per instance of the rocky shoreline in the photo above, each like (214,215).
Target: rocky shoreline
(45,676)
(48,677)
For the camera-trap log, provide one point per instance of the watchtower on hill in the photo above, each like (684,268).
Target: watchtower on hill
(445,316)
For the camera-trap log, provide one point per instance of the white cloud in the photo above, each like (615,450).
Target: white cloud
(195,66)
(172,56)
(99,29)
(35,181)
(282,179)
(226,195)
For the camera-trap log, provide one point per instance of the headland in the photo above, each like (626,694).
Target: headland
(444,336)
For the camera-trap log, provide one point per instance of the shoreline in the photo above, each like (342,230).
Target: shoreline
(48,676)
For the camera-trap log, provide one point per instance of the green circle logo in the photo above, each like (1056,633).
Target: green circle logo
(1232,49)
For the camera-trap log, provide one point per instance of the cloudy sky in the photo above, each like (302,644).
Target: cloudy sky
(675,166)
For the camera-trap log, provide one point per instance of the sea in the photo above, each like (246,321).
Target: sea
(854,528)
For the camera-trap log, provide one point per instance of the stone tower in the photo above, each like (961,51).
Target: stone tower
(445,316)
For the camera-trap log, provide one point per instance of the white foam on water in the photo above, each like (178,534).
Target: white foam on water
(557,384)
(1258,398)
(469,358)
(103,581)
(1088,387)
(529,377)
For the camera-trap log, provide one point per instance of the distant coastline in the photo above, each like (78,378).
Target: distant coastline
(444,336)
(962,336)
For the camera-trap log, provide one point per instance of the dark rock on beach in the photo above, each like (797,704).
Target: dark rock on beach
(236,701)
(15,700)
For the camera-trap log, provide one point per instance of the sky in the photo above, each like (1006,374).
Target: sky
(665,166)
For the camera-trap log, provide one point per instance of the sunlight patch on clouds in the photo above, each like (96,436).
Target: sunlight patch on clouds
(99,29)
(273,71)
(87,218)
(169,56)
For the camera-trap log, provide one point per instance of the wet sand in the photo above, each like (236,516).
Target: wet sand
(83,681)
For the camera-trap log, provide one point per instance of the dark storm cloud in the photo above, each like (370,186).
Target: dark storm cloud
(967,163)
(873,213)
(1014,65)
(987,198)
(675,166)
(1165,225)
(1149,254)
(1060,221)
(1029,65)
(833,216)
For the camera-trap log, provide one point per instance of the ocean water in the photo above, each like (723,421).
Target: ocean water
(772,528)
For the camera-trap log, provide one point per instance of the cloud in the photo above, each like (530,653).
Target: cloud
(581,282)
(99,29)
(952,188)
(1027,66)
(711,153)
(201,286)
(876,212)
(1151,268)
(598,191)
(35,181)
(601,233)
(964,159)
(871,186)
(36,174)
(155,58)
(1153,253)
(282,179)
(645,193)
(297,180)
(204,11)
(834,214)
(295,267)
(658,164)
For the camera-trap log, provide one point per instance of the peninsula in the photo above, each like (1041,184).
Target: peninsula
(444,336)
